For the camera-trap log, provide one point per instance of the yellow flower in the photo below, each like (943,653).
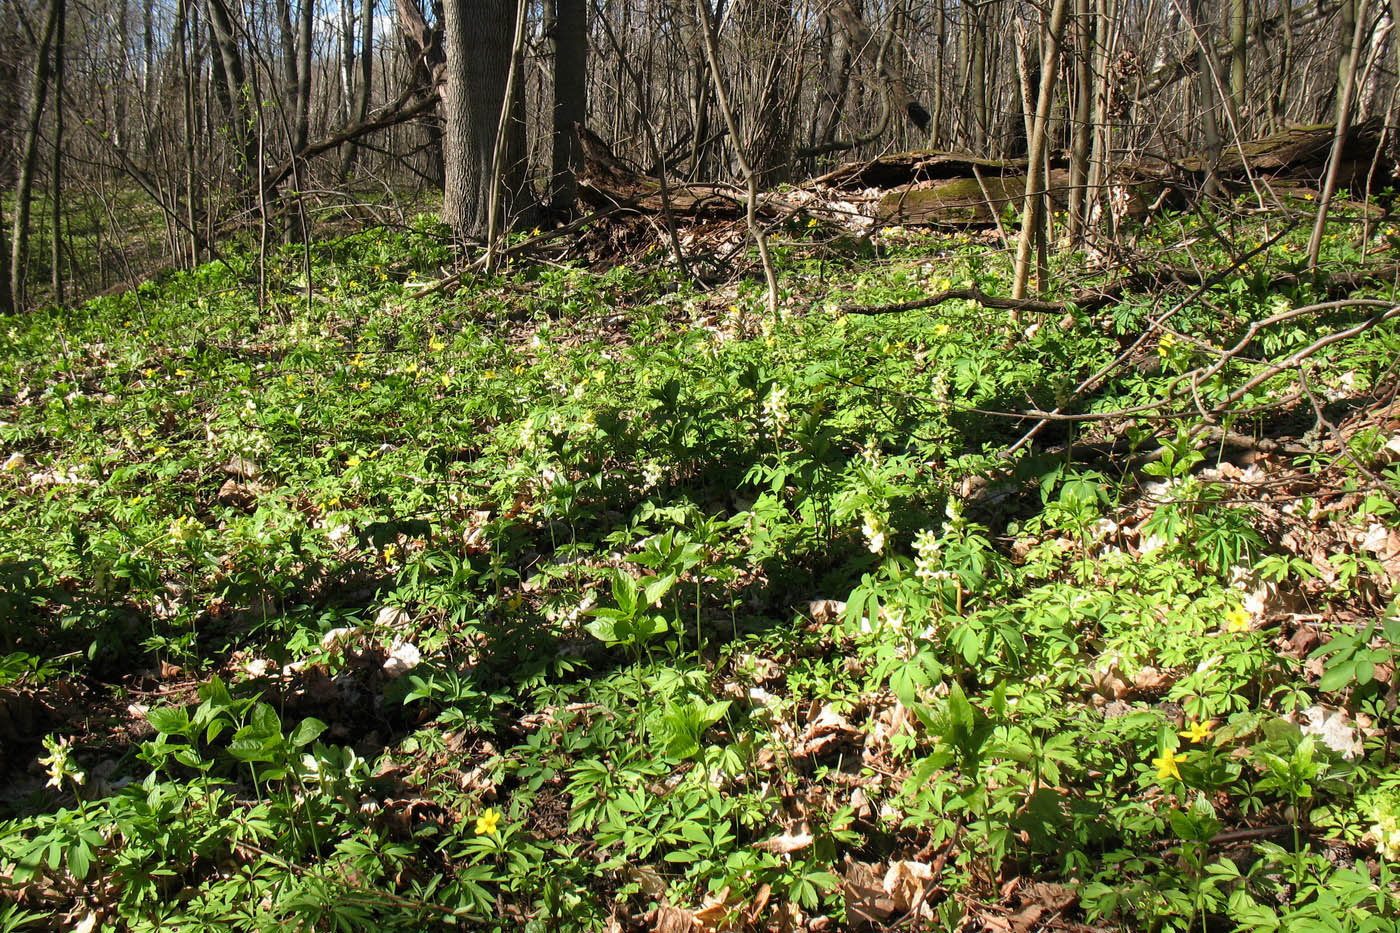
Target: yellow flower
(352,461)
(486,823)
(1237,620)
(446,379)
(389,551)
(1166,765)
(1198,731)
(435,344)
(489,374)
(362,385)
(811,223)
(291,380)
(519,367)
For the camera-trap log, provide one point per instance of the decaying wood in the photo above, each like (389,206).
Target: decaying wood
(936,187)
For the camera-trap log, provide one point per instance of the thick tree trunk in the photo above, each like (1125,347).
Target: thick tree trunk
(567,31)
(477,43)
(301,126)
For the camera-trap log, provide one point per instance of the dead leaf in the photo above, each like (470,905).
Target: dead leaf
(475,528)
(1336,730)
(673,920)
(403,657)
(391,617)
(646,877)
(907,883)
(868,904)
(1151,680)
(1048,894)
(795,839)
(242,468)
(236,495)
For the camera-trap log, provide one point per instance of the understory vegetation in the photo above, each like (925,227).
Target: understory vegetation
(584,599)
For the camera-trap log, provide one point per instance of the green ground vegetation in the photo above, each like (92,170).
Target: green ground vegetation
(585,599)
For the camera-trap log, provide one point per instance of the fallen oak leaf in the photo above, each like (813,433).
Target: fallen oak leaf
(794,840)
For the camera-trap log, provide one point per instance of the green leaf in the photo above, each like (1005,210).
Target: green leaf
(307,732)
(605,630)
(1336,677)
(960,713)
(79,861)
(624,590)
(658,587)
(265,721)
(169,720)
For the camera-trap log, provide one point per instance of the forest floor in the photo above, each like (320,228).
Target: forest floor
(589,599)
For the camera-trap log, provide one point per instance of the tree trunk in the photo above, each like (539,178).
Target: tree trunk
(1034,211)
(863,44)
(567,31)
(1205,74)
(230,86)
(1083,117)
(495,206)
(301,126)
(1354,15)
(359,109)
(29,153)
(477,43)
(56,167)
(1239,72)
(425,49)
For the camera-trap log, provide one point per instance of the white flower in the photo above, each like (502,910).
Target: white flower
(775,413)
(651,474)
(60,762)
(874,531)
(183,530)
